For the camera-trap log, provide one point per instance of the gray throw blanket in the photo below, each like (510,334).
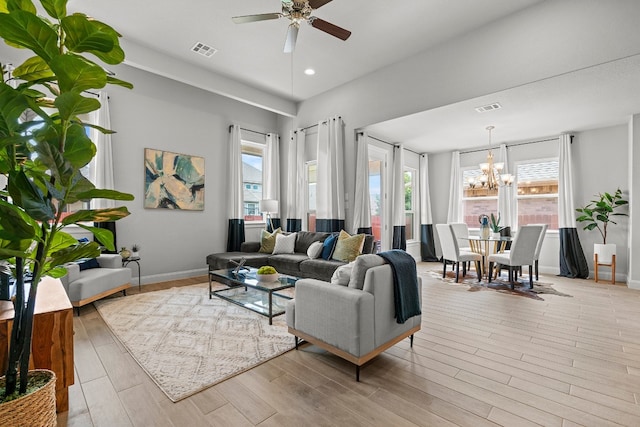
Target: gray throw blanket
(405,284)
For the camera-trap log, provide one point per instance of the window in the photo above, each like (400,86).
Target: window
(312,168)
(476,200)
(537,199)
(252,166)
(376,191)
(409,202)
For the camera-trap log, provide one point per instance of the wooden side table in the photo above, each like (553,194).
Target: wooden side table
(52,345)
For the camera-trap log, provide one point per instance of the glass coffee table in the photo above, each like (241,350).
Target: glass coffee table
(244,289)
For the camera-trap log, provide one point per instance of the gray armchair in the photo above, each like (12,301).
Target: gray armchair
(354,322)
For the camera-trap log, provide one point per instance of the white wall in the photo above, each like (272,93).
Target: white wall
(163,114)
(600,165)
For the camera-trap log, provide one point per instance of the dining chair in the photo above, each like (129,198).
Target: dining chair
(451,252)
(522,253)
(536,257)
(461,233)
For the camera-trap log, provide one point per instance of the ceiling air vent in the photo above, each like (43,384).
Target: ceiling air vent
(204,49)
(490,107)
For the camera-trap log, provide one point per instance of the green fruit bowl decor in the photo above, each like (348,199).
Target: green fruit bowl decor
(266,273)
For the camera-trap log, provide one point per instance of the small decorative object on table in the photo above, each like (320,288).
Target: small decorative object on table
(495,226)
(484,226)
(135,250)
(125,253)
(266,273)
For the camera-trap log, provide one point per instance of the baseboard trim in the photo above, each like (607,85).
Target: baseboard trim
(633,284)
(175,275)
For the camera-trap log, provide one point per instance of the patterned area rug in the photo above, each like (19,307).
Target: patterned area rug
(521,288)
(187,342)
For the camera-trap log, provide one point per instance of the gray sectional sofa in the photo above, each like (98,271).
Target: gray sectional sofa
(296,264)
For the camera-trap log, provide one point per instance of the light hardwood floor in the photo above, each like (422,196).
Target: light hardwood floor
(481,359)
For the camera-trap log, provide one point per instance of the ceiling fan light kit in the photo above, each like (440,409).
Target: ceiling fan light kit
(297,12)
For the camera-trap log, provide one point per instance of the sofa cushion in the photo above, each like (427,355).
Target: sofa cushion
(360,267)
(315,250)
(342,275)
(223,260)
(285,244)
(268,240)
(287,263)
(96,281)
(305,238)
(348,247)
(319,268)
(88,263)
(328,246)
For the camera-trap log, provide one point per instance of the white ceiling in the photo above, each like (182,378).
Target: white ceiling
(600,96)
(384,32)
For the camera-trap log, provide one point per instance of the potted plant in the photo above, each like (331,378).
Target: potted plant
(494,224)
(267,273)
(597,215)
(135,250)
(43,146)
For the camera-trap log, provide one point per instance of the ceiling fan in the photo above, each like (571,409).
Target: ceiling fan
(296,12)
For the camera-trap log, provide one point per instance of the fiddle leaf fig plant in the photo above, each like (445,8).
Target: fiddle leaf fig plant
(43,146)
(597,214)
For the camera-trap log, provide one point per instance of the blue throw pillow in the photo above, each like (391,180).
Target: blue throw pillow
(88,263)
(328,245)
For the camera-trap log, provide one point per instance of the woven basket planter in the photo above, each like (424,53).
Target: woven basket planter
(33,409)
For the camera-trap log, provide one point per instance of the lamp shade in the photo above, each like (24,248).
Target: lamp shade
(269,206)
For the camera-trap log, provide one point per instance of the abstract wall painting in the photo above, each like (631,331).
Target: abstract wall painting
(173,180)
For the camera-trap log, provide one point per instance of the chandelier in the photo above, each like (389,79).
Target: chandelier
(490,172)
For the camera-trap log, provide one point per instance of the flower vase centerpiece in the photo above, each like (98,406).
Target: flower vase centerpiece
(266,273)
(484,226)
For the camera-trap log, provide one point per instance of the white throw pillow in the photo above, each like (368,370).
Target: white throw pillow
(315,250)
(285,244)
(342,275)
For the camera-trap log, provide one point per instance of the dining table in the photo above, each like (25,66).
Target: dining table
(486,246)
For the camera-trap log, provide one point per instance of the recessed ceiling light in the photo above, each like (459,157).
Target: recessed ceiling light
(309,71)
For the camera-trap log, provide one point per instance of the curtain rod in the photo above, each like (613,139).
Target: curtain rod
(250,130)
(514,145)
(312,126)
(388,143)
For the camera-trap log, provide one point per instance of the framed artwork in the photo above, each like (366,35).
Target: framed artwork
(173,180)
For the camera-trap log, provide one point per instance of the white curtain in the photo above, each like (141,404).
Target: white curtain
(235,202)
(330,209)
(505,195)
(362,204)
(296,181)
(101,170)
(398,208)
(566,206)
(427,239)
(454,213)
(572,260)
(271,171)
(425,195)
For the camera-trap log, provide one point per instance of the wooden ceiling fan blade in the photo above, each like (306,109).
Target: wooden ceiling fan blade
(255,18)
(315,4)
(292,36)
(329,28)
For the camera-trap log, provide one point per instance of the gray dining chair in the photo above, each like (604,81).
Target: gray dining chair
(451,252)
(522,253)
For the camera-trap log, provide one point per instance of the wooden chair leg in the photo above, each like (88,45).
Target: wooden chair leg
(479,270)
(490,271)
(444,268)
(464,269)
(457,271)
(537,275)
